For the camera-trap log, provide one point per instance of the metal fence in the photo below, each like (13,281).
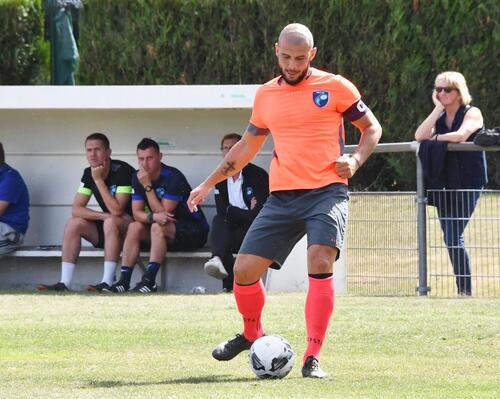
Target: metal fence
(465,259)
(382,252)
(396,245)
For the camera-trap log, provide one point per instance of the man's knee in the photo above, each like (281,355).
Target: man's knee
(75,225)
(134,231)
(112,225)
(156,231)
(249,268)
(320,258)
(241,272)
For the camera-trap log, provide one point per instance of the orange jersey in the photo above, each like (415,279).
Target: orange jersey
(306,123)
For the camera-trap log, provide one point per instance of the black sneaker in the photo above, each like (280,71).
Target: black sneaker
(231,348)
(101,287)
(52,287)
(120,286)
(145,287)
(311,369)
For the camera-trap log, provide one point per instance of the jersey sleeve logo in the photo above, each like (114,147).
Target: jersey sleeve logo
(112,190)
(320,98)
(160,192)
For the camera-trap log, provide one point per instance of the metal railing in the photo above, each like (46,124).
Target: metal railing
(464,252)
(395,249)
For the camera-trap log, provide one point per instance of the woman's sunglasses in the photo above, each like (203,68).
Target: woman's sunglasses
(445,89)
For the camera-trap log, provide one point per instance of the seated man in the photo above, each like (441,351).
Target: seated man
(109,180)
(238,200)
(14,207)
(162,218)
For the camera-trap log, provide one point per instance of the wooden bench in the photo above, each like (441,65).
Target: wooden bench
(54,251)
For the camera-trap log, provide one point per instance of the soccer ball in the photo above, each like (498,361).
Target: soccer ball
(271,356)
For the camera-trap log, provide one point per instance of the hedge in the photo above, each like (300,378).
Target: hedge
(392,50)
(23,52)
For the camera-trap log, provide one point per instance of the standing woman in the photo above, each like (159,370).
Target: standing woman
(454,120)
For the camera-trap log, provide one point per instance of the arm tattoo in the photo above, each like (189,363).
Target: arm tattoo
(228,168)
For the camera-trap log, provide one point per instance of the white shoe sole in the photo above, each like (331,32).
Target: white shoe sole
(214,271)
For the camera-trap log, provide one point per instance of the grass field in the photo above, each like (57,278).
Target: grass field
(83,346)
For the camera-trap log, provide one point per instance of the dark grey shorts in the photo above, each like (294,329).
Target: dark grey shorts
(288,215)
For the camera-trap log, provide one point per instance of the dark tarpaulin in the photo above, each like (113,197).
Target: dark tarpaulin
(61,29)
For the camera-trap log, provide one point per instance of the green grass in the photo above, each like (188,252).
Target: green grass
(83,346)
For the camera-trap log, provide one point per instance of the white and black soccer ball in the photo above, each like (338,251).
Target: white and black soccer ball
(271,356)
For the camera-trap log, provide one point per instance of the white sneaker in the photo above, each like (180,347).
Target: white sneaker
(215,268)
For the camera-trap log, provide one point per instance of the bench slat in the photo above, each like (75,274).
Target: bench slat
(35,252)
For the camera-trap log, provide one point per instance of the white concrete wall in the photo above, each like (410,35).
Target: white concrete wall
(43,131)
(293,274)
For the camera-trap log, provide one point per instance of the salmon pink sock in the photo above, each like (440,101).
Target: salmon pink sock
(250,300)
(318,310)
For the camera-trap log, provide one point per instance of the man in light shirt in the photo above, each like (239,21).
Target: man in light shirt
(304,110)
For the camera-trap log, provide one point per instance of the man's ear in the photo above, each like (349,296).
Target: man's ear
(312,54)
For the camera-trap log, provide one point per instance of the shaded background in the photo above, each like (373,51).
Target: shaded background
(392,50)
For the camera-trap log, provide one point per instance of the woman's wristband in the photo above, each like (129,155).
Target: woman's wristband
(150,218)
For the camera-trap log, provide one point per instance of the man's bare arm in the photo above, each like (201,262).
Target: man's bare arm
(371,131)
(80,209)
(3,206)
(234,161)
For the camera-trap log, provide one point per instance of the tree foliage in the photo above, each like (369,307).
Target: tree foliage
(23,52)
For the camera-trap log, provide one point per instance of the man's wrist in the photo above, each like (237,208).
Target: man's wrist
(150,218)
(358,163)
(148,188)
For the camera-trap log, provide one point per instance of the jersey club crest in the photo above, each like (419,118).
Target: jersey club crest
(321,97)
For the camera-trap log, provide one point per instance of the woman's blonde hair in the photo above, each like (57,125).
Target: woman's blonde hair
(457,81)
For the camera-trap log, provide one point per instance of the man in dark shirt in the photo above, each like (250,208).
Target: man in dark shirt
(109,180)
(162,218)
(14,207)
(238,200)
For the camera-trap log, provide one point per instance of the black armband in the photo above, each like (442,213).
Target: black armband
(356,111)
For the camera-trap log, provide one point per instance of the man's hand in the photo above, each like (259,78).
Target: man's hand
(127,218)
(143,177)
(253,203)
(197,196)
(346,166)
(98,172)
(162,218)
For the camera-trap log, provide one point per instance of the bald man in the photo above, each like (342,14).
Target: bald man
(303,109)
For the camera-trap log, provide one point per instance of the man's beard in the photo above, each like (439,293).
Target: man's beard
(299,79)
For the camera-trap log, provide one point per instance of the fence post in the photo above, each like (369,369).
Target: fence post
(422,288)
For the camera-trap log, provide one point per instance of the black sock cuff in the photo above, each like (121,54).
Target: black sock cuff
(246,285)
(321,276)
